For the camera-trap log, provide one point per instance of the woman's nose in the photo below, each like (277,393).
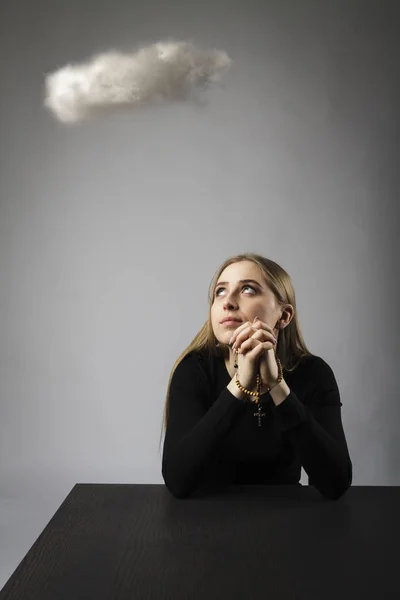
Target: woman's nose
(229,303)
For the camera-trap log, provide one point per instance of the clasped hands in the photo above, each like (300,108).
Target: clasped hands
(243,339)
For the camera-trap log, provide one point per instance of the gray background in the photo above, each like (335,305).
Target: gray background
(110,231)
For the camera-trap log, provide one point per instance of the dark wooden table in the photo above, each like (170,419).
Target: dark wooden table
(123,541)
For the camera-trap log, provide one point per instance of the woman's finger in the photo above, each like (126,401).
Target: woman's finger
(261,325)
(242,335)
(265,336)
(259,335)
(252,342)
(253,352)
(266,328)
(244,330)
(238,330)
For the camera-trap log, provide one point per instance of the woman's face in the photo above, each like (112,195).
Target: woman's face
(243,300)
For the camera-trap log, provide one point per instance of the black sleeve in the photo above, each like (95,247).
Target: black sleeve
(316,431)
(194,429)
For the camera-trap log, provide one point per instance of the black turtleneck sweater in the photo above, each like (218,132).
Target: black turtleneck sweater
(213,438)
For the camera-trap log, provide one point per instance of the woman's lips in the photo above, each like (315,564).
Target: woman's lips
(230,323)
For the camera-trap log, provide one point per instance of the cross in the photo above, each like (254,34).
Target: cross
(259,414)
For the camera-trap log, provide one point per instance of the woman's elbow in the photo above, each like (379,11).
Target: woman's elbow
(176,488)
(176,491)
(334,490)
(335,493)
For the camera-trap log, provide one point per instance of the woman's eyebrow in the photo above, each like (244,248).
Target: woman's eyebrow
(241,281)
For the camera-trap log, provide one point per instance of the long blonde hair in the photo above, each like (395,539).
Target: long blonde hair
(291,345)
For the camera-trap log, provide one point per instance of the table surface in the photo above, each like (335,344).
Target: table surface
(120,541)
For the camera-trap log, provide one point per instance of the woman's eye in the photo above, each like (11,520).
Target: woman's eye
(245,286)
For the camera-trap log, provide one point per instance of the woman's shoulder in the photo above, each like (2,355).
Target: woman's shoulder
(194,357)
(194,365)
(312,367)
(320,366)
(310,362)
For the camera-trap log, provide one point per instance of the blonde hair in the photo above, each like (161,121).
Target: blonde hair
(291,345)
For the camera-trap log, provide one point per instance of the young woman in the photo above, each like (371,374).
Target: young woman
(247,403)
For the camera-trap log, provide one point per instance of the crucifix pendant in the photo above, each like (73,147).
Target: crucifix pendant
(259,414)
